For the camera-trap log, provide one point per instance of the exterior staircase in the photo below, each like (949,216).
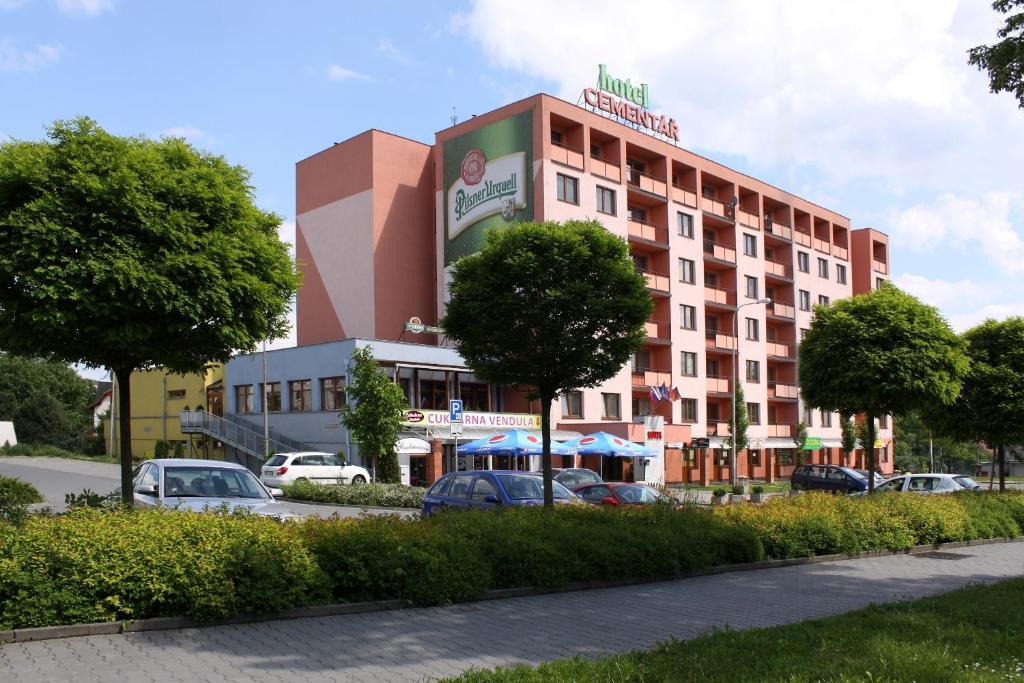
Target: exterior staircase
(243,440)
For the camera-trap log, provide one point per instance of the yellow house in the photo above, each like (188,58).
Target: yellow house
(157,399)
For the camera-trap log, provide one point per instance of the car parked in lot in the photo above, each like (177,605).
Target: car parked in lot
(574,477)
(616,493)
(315,467)
(928,483)
(198,485)
(835,478)
(489,489)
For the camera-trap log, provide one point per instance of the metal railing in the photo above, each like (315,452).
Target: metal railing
(238,434)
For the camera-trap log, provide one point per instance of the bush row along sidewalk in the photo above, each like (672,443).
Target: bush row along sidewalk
(967,635)
(92,565)
(378,495)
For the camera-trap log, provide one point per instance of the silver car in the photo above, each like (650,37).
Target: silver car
(199,485)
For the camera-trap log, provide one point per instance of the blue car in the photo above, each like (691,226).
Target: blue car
(489,489)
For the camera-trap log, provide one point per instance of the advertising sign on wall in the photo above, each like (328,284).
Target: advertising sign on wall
(442,418)
(488,183)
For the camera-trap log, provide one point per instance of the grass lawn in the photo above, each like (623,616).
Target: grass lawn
(972,634)
(53,452)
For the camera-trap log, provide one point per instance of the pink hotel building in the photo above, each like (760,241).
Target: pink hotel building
(380,217)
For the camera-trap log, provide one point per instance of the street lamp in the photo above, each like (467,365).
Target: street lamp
(735,372)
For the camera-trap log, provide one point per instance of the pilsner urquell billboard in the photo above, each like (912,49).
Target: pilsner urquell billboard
(487,181)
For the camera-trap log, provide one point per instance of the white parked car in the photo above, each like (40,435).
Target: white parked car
(927,483)
(311,466)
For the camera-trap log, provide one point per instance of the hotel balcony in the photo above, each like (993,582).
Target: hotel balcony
(786,391)
(658,331)
(566,156)
(647,183)
(781,430)
(879,266)
(718,429)
(684,195)
(821,245)
(719,252)
(778,270)
(777,350)
(749,219)
(648,377)
(606,169)
(655,281)
(778,230)
(713,206)
(646,231)
(840,252)
(715,340)
(718,385)
(719,297)
(804,238)
(780,310)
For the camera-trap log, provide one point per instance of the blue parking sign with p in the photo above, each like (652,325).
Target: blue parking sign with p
(455,410)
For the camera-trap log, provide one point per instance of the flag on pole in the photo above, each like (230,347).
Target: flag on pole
(675,394)
(665,393)
(654,395)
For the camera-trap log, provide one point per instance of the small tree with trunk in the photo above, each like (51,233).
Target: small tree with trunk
(882,353)
(848,437)
(376,416)
(552,307)
(742,418)
(800,440)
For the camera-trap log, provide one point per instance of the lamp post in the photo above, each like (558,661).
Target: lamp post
(735,374)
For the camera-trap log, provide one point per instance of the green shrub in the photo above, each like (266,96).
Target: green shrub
(381,495)
(757,488)
(160,449)
(15,497)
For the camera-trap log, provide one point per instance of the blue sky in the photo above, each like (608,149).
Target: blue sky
(868,108)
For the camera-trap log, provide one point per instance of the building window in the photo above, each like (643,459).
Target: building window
(753,371)
(785,456)
(301,394)
(883,422)
(568,189)
(803,333)
(556,137)
(751,286)
(826,419)
(755,456)
(689,406)
(610,406)
(841,273)
(687,271)
(433,389)
(753,329)
(805,300)
(749,245)
(803,261)
(685,224)
(272,397)
(332,393)
(173,394)
(708,191)
(641,406)
(823,268)
(605,200)
(809,416)
(243,398)
(572,404)
(879,281)
(754,413)
(687,317)
(824,300)
(688,361)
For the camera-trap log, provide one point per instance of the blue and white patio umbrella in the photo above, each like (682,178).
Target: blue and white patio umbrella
(512,442)
(606,445)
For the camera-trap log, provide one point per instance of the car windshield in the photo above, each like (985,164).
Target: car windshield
(530,486)
(197,481)
(576,478)
(634,494)
(275,461)
(856,474)
(966,482)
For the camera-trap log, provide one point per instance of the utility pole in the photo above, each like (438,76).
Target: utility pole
(266,411)
(931,452)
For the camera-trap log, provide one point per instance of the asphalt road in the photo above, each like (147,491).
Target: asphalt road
(55,477)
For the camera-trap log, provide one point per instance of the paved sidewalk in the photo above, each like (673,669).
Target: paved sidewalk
(422,644)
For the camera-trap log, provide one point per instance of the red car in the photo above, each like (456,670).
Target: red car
(613,493)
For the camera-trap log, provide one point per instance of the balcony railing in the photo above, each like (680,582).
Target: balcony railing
(779,350)
(777,229)
(649,377)
(714,339)
(605,168)
(781,430)
(566,155)
(801,237)
(718,428)
(777,269)
(722,253)
(780,310)
(656,281)
(713,206)
(646,231)
(658,329)
(718,385)
(840,252)
(879,266)
(748,219)
(821,245)
(684,195)
(647,182)
(714,295)
(776,390)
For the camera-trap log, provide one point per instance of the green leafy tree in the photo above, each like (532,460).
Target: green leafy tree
(1004,61)
(47,401)
(129,253)
(800,440)
(990,406)
(914,439)
(881,353)
(376,417)
(742,418)
(554,307)
(848,436)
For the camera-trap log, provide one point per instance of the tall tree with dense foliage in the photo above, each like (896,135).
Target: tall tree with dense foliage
(376,416)
(129,253)
(990,406)
(881,353)
(553,307)
(1004,61)
(914,439)
(47,401)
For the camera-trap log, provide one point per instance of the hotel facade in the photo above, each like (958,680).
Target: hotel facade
(380,219)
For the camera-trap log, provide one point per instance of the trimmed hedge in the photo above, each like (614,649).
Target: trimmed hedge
(380,495)
(15,497)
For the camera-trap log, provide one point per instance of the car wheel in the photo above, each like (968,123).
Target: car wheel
(301,480)
(358,479)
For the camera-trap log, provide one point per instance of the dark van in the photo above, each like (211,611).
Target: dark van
(827,478)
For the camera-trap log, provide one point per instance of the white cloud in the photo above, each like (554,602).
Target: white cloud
(288,340)
(964,224)
(341,73)
(15,59)
(4,137)
(286,231)
(193,134)
(388,48)
(87,7)
(965,303)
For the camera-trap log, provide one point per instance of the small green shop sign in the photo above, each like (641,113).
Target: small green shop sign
(813,443)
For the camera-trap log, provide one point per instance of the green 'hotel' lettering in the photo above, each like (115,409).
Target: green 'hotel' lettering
(466,202)
(625,89)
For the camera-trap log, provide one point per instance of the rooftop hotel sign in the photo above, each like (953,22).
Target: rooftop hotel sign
(628,103)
